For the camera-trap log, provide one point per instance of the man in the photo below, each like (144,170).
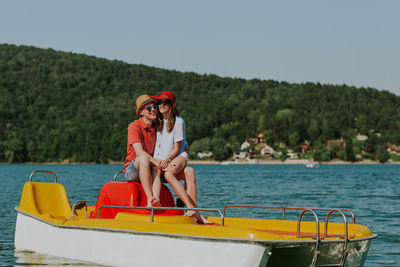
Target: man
(140,147)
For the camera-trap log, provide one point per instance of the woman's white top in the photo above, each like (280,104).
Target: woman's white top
(166,140)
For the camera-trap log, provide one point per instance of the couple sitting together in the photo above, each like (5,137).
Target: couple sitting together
(157,145)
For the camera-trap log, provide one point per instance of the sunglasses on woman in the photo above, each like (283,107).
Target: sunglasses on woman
(150,107)
(164,102)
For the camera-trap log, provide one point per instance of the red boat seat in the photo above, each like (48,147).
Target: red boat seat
(130,194)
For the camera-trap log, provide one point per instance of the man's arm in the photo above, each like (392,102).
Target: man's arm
(141,152)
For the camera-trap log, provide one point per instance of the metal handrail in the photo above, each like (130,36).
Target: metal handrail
(30,178)
(157,208)
(353,218)
(346,235)
(289,208)
(255,207)
(316,251)
(116,174)
(299,224)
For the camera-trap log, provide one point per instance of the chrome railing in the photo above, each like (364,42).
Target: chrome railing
(284,209)
(317,235)
(116,175)
(152,209)
(37,171)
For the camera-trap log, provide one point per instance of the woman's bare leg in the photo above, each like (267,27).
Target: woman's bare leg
(189,177)
(190,184)
(181,192)
(179,189)
(190,187)
(177,166)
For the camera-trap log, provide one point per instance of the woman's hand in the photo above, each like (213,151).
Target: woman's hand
(172,168)
(164,163)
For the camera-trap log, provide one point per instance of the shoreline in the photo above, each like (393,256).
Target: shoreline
(227,162)
(288,162)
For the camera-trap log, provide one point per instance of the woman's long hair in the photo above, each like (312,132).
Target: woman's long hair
(171,119)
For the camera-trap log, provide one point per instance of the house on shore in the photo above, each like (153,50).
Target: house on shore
(361,137)
(266,152)
(337,142)
(240,154)
(393,149)
(245,145)
(306,147)
(202,155)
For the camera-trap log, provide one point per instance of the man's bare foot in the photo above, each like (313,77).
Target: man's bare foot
(155,202)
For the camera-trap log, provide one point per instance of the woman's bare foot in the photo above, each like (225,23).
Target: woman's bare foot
(204,220)
(197,217)
(191,213)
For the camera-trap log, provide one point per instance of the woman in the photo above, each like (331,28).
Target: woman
(171,148)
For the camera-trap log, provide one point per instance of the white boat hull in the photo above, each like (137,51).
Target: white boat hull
(129,248)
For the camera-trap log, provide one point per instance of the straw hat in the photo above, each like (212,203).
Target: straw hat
(141,101)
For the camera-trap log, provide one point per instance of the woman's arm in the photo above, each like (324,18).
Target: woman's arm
(164,163)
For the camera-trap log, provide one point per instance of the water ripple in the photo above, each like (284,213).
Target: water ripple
(371,191)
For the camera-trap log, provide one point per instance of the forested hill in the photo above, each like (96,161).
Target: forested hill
(57,105)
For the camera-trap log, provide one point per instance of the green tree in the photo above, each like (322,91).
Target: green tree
(202,145)
(294,139)
(220,149)
(322,153)
(66,106)
(381,154)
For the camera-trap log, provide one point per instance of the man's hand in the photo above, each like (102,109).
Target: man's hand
(155,162)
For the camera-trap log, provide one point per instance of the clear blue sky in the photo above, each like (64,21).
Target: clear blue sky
(337,42)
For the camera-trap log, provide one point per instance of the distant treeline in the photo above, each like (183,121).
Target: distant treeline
(58,106)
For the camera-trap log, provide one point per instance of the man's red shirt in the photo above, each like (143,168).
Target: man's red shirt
(139,132)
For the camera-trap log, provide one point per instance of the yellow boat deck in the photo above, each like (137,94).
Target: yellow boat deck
(49,202)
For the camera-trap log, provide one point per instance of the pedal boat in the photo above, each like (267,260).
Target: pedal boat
(120,231)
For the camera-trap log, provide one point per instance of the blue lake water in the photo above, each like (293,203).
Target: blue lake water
(372,192)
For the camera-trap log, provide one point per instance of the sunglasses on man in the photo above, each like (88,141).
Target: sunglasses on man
(151,106)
